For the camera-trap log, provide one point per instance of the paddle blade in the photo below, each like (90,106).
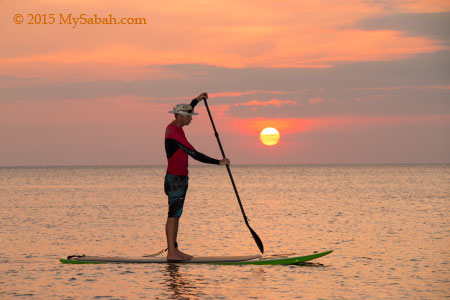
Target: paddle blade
(257,240)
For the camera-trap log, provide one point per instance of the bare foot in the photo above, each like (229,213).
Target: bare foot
(178,255)
(175,256)
(187,256)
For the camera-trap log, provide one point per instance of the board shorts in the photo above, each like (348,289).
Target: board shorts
(175,187)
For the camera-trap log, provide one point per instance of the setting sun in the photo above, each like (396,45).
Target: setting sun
(269,136)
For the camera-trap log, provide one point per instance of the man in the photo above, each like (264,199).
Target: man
(176,181)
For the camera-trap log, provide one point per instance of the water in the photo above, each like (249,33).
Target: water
(388,225)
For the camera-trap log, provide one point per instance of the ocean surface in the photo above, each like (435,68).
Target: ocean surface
(389,227)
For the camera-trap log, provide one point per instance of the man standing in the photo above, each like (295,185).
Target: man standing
(176,181)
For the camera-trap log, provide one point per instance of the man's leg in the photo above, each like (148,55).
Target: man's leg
(171,234)
(177,187)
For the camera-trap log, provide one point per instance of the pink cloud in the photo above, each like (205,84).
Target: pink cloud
(393,88)
(274,102)
(344,123)
(316,100)
(268,37)
(250,92)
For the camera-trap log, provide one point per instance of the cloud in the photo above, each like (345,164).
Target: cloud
(273,102)
(435,25)
(347,123)
(330,74)
(243,93)
(410,86)
(316,100)
(363,102)
(309,33)
(410,5)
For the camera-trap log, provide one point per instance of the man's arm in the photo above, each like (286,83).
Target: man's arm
(173,145)
(199,98)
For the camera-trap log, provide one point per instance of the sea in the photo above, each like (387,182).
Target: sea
(388,225)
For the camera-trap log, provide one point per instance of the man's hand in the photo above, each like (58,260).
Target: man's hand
(202,96)
(225,161)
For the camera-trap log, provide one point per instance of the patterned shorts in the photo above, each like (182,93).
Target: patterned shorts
(175,187)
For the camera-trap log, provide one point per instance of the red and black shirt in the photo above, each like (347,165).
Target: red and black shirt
(178,148)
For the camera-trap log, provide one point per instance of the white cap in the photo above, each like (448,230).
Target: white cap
(183,109)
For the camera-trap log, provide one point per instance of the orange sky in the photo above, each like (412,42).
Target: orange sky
(315,70)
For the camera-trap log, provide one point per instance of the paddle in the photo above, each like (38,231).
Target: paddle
(255,236)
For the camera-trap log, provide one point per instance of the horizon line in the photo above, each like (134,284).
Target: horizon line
(206,165)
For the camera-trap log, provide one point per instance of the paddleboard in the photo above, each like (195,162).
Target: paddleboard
(220,260)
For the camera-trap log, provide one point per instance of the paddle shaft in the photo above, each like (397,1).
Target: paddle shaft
(255,236)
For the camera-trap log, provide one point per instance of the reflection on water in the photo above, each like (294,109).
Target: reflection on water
(180,287)
(387,224)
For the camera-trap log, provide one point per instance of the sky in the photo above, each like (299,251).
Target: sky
(354,81)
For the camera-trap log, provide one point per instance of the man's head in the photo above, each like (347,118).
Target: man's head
(183,114)
(183,109)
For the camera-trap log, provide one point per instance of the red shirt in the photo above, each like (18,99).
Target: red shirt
(177,164)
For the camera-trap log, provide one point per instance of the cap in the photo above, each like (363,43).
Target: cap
(183,109)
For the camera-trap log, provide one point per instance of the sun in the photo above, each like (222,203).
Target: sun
(269,136)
